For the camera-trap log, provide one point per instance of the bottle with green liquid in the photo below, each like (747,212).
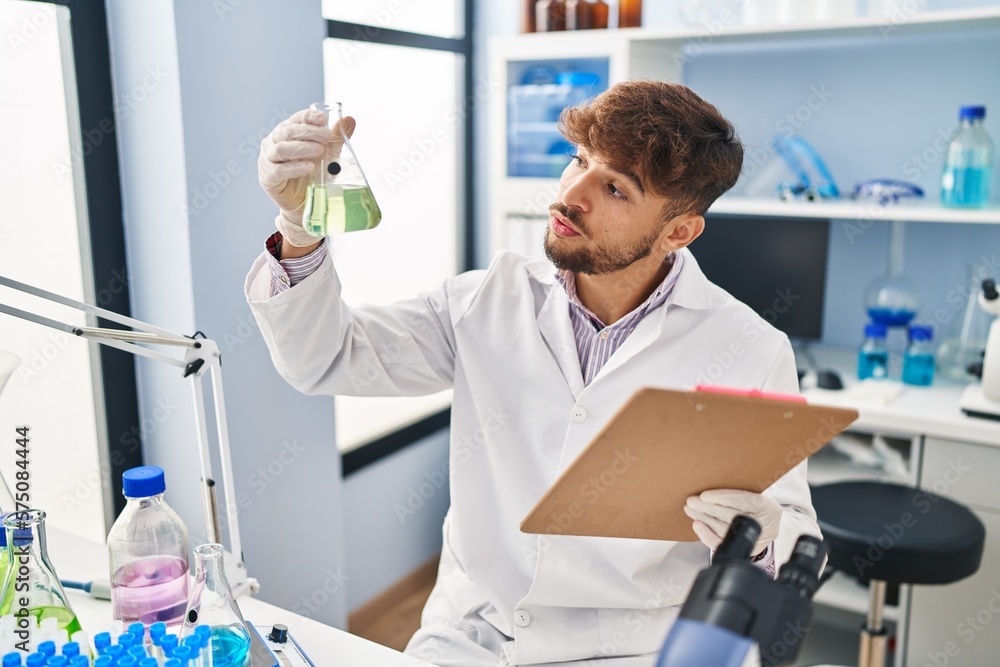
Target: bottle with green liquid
(338,198)
(40,593)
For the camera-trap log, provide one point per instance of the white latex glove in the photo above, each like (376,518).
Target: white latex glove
(714,510)
(287,161)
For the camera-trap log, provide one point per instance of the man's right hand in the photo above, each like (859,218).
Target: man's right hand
(287,160)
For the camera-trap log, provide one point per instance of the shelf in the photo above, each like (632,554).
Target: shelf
(863,212)
(919,24)
(843,592)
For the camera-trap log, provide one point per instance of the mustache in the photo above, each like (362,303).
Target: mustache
(570,214)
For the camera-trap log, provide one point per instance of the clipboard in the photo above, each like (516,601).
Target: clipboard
(663,445)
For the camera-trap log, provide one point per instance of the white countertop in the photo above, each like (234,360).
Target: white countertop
(932,411)
(82,560)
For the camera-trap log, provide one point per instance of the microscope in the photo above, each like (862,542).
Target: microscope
(736,615)
(983,399)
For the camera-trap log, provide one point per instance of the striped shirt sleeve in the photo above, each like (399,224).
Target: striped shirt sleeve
(287,273)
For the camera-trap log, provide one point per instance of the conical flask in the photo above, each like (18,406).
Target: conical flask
(211,603)
(44,595)
(338,198)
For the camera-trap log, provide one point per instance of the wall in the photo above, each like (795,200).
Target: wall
(198,85)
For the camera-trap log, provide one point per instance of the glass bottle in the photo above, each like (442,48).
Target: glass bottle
(963,344)
(528,15)
(629,13)
(339,199)
(28,551)
(918,360)
(968,164)
(148,545)
(211,603)
(550,15)
(599,15)
(892,298)
(579,15)
(873,357)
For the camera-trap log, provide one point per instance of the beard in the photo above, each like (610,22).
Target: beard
(605,258)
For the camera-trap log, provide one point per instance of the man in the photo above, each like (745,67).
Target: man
(539,363)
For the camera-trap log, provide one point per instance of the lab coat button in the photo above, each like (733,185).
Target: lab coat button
(522,618)
(605,334)
(578,415)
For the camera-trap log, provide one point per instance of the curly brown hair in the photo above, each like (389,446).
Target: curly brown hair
(676,143)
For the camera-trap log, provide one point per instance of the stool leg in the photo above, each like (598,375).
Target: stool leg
(873,633)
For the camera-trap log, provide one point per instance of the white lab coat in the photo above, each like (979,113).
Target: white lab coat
(502,338)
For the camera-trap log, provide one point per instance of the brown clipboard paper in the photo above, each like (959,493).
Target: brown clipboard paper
(662,446)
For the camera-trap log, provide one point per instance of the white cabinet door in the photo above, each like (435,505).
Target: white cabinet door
(959,624)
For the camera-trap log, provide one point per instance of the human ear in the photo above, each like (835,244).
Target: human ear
(681,231)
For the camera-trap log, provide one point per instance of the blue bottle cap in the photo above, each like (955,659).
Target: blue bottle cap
(71,649)
(57,661)
(143,482)
(102,640)
(971,112)
(37,660)
(157,630)
(12,660)
(79,661)
(137,629)
(47,648)
(875,330)
(921,332)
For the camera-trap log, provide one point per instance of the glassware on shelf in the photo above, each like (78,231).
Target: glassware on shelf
(211,603)
(148,546)
(873,357)
(339,198)
(968,164)
(891,299)
(964,342)
(599,12)
(39,593)
(629,13)
(918,360)
(528,15)
(579,15)
(550,15)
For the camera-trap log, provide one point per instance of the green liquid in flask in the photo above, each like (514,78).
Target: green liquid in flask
(67,619)
(335,209)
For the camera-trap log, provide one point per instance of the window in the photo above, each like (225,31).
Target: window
(401,69)
(57,180)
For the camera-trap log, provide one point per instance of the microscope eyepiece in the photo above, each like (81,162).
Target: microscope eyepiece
(802,569)
(739,541)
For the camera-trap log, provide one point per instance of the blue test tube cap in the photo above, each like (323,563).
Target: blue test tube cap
(104,661)
(116,651)
(47,648)
(12,660)
(157,630)
(57,661)
(35,660)
(172,662)
(102,640)
(183,653)
(203,631)
(127,639)
(79,661)
(138,651)
(127,661)
(148,662)
(71,649)
(138,629)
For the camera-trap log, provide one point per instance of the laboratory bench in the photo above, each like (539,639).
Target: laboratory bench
(80,559)
(938,448)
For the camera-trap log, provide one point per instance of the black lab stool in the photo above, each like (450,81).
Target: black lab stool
(884,533)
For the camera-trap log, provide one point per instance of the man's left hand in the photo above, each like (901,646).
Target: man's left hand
(713,511)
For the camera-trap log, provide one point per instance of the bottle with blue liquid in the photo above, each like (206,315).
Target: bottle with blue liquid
(918,360)
(873,357)
(968,165)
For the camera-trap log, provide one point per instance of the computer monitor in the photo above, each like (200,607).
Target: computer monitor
(775,265)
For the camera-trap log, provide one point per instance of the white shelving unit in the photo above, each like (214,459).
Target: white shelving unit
(519,206)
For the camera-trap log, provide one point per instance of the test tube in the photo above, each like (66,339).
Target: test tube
(127,640)
(47,648)
(156,631)
(35,660)
(115,651)
(197,657)
(137,629)
(71,649)
(168,643)
(183,653)
(102,640)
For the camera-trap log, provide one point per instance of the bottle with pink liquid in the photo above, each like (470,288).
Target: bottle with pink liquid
(149,548)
